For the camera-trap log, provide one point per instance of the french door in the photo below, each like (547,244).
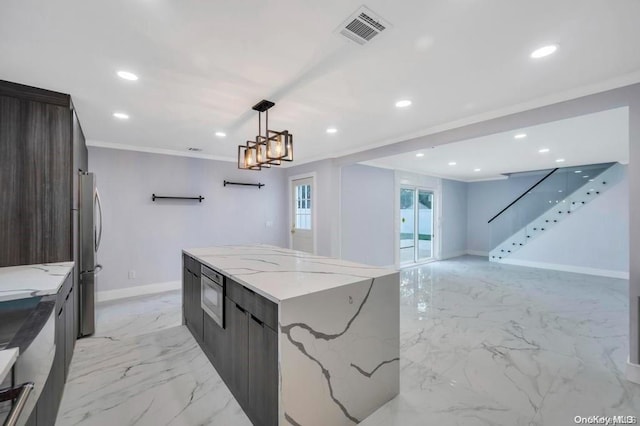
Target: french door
(416,225)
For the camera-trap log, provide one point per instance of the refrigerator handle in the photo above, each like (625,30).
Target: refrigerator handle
(98,238)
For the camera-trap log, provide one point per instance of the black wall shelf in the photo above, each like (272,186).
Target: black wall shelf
(259,185)
(165,197)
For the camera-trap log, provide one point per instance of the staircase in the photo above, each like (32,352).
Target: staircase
(551,200)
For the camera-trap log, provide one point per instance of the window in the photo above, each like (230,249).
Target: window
(303,207)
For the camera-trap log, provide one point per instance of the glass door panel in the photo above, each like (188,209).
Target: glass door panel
(407,225)
(416,225)
(424,243)
(302,237)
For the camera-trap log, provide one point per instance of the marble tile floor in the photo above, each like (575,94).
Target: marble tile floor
(481,344)
(143,368)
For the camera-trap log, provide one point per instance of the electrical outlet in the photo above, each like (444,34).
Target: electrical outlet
(132,275)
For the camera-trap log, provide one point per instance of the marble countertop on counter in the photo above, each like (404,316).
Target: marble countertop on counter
(7,358)
(279,274)
(20,282)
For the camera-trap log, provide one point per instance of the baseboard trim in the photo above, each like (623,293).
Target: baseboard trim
(453,254)
(568,268)
(478,253)
(140,290)
(633,372)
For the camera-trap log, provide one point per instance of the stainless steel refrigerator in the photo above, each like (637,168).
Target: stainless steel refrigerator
(90,234)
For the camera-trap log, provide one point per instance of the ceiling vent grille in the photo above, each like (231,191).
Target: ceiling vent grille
(363,26)
(194,149)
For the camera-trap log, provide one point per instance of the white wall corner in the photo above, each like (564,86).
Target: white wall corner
(478,253)
(633,372)
(453,254)
(141,290)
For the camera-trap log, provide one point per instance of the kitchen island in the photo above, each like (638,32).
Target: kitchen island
(299,339)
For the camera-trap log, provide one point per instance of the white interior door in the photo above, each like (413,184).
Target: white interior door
(302,197)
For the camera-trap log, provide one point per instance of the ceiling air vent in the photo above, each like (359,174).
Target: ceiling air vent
(195,149)
(363,26)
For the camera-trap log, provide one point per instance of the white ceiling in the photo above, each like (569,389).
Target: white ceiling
(203,64)
(589,139)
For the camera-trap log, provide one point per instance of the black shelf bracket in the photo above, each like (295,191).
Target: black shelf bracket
(164,197)
(259,185)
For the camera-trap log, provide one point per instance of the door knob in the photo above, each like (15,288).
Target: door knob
(293,231)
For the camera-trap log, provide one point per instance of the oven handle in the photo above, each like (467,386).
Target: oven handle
(16,410)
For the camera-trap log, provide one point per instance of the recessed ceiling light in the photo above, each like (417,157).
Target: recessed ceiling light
(221,134)
(403,103)
(420,154)
(559,190)
(544,51)
(452,163)
(520,136)
(332,130)
(476,170)
(578,171)
(543,150)
(560,160)
(126,75)
(121,115)
(586,176)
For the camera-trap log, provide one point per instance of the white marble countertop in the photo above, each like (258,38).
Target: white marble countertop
(20,282)
(279,274)
(7,358)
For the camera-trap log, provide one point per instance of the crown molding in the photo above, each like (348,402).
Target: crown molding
(163,151)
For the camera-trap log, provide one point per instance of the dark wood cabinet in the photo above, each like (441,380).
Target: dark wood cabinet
(46,409)
(69,332)
(262,373)
(193,314)
(216,343)
(245,352)
(35,168)
(42,148)
(237,327)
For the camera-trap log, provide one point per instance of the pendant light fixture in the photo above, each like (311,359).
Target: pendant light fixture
(270,149)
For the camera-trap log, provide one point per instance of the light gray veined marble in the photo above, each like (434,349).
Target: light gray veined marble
(342,362)
(20,282)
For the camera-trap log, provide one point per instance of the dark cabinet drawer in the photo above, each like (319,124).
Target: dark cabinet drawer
(260,307)
(191,264)
(263,309)
(235,292)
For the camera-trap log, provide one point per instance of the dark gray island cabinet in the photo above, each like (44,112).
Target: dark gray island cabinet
(297,338)
(245,351)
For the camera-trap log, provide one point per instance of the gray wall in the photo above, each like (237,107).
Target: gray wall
(327,188)
(485,199)
(595,236)
(454,218)
(148,236)
(367,195)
